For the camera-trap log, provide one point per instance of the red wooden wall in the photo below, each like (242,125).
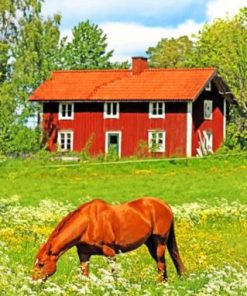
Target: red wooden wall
(133,123)
(215,125)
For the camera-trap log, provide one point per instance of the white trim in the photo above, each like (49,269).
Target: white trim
(151,107)
(116,116)
(189,130)
(163,147)
(208,87)
(59,139)
(41,114)
(60,115)
(209,104)
(224,119)
(119,133)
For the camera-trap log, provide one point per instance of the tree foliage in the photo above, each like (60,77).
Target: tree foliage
(12,14)
(87,50)
(222,44)
(170,53)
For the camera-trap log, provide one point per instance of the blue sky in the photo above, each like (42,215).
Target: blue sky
(133,25)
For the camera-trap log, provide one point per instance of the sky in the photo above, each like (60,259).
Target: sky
(132,26)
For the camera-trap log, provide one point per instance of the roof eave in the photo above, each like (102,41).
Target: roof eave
(204,85)
(112,100)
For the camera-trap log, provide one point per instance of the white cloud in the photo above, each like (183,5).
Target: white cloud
(219,8)
(129,38)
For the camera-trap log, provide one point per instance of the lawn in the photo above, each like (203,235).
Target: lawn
(208,197)
(176,181)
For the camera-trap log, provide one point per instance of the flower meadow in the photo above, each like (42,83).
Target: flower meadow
(211,239)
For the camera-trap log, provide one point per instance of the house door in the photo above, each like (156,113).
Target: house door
(113,143)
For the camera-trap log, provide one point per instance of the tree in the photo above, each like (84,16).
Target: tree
(87,50)
(30,46)
(35,55)
(12,14)
(170,53)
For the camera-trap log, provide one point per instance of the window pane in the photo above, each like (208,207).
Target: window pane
(64,110)
(160,110)
(154,108)
(108,109)
(208,109)
(114,108)
(69,110)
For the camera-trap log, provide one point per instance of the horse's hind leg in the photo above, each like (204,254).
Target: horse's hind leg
(156,248)
(173,250)
(161,262)
(84,260)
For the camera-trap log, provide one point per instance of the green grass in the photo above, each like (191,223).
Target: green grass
(175,181)
(212,243)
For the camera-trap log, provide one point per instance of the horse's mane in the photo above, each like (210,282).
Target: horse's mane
(61,225)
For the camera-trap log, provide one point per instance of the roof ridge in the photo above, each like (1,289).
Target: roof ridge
(179,69)
(93,70)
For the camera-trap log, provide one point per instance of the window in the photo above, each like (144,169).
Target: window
(66,111)
(111,110)
(156,110)
(156,141)
(208,87)
(65,140)
(208,108)
(208,141)
(113,140)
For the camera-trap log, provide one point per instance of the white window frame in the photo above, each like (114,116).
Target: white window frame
(119,133)
(162,148)
(60,113)
(111,115)
(151,109)
(208,140)
(208,87)
(208,103)
(66,132)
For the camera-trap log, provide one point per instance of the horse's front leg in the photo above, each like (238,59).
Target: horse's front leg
(84,260)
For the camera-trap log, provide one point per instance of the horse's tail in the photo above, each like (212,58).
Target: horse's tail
(173,250)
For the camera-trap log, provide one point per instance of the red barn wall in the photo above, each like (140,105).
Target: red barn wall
(133,123)
(215,125)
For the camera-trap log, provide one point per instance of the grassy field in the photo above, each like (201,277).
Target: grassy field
(208,197)
(176,181)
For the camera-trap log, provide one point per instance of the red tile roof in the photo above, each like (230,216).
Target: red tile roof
(100,85)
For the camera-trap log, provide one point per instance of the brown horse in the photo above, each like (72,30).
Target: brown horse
(99,228)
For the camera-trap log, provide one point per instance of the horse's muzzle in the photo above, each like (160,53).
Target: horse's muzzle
(38,275)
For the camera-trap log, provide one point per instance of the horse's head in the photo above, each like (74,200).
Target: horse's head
(45,264)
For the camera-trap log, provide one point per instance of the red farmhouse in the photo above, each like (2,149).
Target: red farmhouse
(176,112)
